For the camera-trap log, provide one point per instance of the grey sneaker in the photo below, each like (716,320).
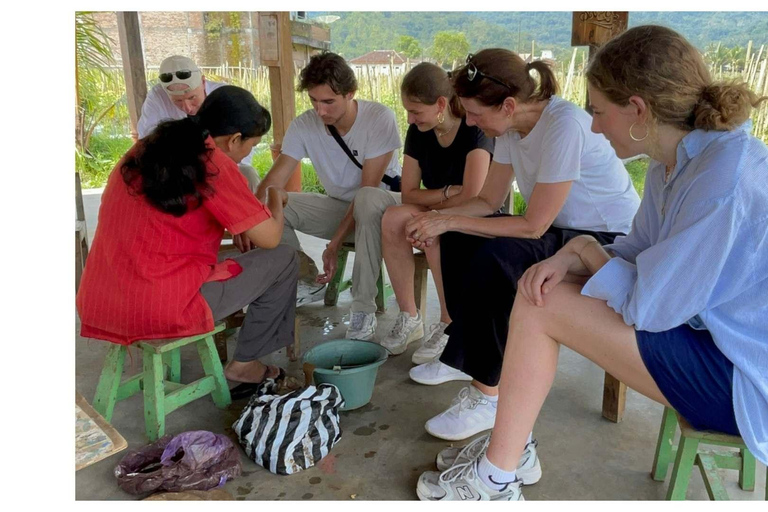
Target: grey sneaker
(433,346)
(407,329)
(528,469)
(462,483)
(362,326)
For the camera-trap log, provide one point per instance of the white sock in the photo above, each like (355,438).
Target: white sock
(491,398)
(530,439)
(495,478)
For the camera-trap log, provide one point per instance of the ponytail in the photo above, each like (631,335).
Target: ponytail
(724,106)
(547,82)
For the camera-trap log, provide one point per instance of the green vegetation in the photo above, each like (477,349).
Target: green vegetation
(359,32)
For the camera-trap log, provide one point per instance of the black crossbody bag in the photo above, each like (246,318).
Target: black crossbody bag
(392,181)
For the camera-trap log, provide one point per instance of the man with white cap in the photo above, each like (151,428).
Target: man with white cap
(180,93)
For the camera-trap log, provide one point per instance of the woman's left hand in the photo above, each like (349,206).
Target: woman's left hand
(423,228)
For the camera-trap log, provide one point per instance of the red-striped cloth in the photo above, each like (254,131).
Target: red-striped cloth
(145,267)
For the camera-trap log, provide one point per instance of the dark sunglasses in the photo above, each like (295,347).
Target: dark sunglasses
(473,72)
(181,74)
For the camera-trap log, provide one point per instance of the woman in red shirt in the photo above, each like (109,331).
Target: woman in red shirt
(152,272)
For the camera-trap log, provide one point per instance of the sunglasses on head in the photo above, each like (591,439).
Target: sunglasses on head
(181,74)
(473,72)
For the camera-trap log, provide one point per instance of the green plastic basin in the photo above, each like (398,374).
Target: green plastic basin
(359,362)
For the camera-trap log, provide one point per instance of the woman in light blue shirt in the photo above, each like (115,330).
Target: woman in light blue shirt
(677,308)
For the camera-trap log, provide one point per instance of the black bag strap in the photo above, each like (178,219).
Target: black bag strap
(387,180)
(343,145)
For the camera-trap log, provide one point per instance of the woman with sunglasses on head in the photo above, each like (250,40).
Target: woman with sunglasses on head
(451,160)
(152,271)
(572,183)
(676,309)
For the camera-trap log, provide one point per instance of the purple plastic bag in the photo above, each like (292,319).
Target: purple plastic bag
(195,460)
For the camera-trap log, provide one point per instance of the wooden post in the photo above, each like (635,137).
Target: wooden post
(593,29)
(133,65)
(614,398)
(277,54)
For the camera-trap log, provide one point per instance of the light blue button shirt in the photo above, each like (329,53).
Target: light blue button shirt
(698,254)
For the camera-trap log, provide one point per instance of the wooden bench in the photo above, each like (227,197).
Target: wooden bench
(688,453)
(338,284)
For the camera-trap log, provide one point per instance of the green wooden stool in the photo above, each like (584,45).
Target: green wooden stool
(338,285)
(688,453)
(162,396)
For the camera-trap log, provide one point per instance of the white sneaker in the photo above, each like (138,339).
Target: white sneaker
(362,326)
(462,483)
(307,293)
(470,413)
(407,329)
(433,346)
(528,468)
(435,372)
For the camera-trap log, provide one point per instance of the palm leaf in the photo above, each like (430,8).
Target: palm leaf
(92,44)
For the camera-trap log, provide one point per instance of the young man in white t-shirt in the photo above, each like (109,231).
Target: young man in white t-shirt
(180,93)
(357,198)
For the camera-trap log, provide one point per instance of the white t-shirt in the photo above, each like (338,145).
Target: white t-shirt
(562,147)
(373,134)
(158,107)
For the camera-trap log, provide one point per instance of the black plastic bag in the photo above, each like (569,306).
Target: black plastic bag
(195,460)
(287,434)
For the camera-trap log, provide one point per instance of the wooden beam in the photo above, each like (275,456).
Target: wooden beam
(277,54)
(133,65)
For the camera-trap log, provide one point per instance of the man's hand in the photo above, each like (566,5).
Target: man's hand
(330,259)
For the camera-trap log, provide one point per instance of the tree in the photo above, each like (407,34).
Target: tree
(409,46)
(449,47)
(93,56)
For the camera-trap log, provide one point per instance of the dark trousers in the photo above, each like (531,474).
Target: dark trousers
(267,285)
(480,281)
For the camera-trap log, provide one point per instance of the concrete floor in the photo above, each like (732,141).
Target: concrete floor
(384,447)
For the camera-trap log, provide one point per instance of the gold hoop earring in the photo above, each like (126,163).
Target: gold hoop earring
(631,136)
(440,118)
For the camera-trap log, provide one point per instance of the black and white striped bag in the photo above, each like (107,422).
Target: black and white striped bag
(289,433)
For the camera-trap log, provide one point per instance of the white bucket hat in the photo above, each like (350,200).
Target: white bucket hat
(178,69)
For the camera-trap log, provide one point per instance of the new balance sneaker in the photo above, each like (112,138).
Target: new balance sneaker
(435,372)
(470,413)
(433,346)
(528,468)
(462,483)
(406,329)
(362,326)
